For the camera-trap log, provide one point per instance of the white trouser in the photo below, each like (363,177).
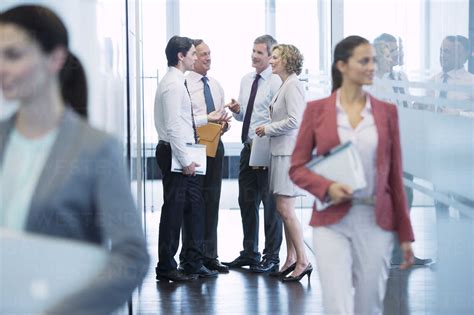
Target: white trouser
(353,259)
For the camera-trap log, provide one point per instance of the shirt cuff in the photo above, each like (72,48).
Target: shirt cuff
(200,120)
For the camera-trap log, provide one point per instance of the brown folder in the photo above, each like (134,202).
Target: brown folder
(209,135)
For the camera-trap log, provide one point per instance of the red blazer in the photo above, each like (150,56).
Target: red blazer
(319,130)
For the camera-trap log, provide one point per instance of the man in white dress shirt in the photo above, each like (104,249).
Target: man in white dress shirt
(183,201)
(207,96)
(256,92)
(454,53)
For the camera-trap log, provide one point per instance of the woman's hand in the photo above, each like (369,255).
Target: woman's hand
(260,131)
(408,256)
(339,193)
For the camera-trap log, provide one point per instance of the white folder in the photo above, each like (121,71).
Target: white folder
(260,153)
(341,164)
(38,271)
(197,154)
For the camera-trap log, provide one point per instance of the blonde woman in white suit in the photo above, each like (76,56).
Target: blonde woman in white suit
(286,113)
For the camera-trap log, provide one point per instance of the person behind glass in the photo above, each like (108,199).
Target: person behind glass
(87,193)
(389,67)
(453,55)
(183,202)
(207,95)
(389,55)
(286,111)
(353,238)
(256,92)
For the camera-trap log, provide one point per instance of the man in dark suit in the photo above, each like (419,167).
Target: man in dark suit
(256,92)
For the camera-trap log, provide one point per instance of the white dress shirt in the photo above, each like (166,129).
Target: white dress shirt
(196,90)
(268,86)
(365,139)
(457,77)
(173,120)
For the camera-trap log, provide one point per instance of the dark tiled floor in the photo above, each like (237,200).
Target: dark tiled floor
(427,290)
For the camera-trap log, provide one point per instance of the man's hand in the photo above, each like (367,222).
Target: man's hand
(233,106)
(190,170)
(225,126)
(217,116)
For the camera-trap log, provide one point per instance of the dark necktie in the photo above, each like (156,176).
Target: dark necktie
(443,93)
(196,138)
(248,112)
(208,96)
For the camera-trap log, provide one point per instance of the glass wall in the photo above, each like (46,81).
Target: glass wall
(424,70)
(422,49)
(100,45)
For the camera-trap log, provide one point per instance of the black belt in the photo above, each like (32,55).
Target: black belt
(163,143)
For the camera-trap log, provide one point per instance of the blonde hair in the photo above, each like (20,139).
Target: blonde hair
(291,57)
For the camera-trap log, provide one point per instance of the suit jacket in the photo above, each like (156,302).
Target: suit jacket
(287,109)
(83,193)
(319,130)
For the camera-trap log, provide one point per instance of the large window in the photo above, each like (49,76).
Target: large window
(229,28)
(153,60)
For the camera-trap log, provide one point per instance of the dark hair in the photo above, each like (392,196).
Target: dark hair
(267,40)
(462,40)
(343,52)
(176,45)
(197,42)
(47,29)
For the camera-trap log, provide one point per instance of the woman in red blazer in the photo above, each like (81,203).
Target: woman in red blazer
(353,238)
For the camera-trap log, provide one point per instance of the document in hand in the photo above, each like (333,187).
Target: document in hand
(197,154)
(343,165)
(209,135)
(61,268)
(260,153)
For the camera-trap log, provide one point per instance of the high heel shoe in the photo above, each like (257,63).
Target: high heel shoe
(307,271)
(283,273)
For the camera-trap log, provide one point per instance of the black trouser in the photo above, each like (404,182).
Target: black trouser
(253,189)
(211,187)
(182,205)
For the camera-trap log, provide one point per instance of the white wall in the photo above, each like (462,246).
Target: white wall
(97,36)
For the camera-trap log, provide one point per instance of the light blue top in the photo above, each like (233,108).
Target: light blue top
(268,86)
(19,173)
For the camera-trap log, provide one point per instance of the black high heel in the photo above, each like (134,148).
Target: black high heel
(307,271)
(283,273)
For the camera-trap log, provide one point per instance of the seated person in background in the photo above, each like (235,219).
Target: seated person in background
(454,52)
(389,55)
(59,176)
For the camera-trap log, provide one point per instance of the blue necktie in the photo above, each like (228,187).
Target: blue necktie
(208,96)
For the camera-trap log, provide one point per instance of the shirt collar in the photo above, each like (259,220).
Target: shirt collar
(367,108)
(265,74)
(195,77)
(177,72)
